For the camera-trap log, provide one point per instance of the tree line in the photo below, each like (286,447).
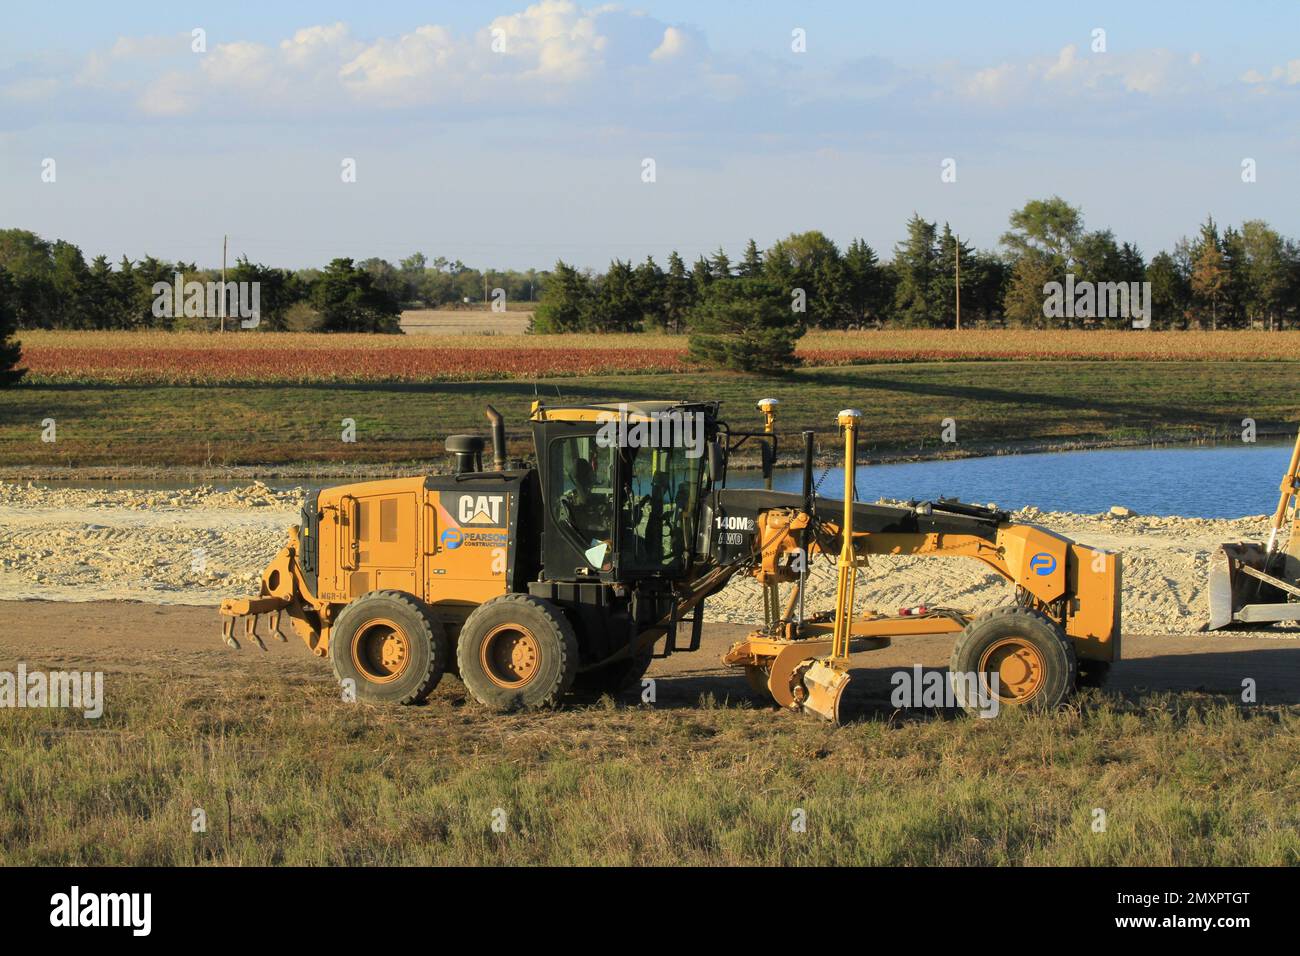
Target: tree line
(51,286)
(752,309)
(1218,279)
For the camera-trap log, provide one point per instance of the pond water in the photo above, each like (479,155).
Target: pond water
(1200,482)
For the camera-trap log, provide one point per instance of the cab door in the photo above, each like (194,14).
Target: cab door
(466,533)
(378,539)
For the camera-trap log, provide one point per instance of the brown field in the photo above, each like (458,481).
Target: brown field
(475,321)
(492,331)
(444,351)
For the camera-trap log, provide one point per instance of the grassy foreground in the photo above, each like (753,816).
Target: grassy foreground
(287,773)
(994,403)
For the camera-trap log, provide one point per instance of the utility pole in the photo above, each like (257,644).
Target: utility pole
(957,257)
(224,242)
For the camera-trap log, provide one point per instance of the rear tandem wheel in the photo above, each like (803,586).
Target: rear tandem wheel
(1031,657)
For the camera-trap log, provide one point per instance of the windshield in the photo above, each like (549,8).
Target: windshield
(660,502)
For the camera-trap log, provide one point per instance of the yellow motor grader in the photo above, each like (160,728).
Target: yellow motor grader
(572,574)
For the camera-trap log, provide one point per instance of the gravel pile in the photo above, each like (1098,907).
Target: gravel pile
(197,545)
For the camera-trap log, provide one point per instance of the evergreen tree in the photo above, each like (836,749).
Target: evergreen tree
(11,350)
(648,283)
(746,325)
(1170,292)
(679,293)
(720,265)
(865,282)
(614,307)
(701,277)
(349,301)
(564,303)
(811,262)
(751,267)
(916,261)
(1209,278)
(943,287)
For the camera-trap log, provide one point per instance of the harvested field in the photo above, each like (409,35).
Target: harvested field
(504,352)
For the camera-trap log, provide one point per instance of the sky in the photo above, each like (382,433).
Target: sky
(509,135)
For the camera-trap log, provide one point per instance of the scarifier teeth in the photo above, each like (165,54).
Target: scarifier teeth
(228,632)
(275,627)
(250,630)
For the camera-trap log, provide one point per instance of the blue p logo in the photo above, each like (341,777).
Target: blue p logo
(1043,563)
(451,539)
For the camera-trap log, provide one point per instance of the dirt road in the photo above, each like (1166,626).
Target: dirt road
(124,637)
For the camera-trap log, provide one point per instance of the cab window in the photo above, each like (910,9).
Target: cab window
(582,497)
(660,503)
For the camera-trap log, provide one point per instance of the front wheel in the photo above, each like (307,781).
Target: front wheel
(517,652)
(1013,656)
(390,647)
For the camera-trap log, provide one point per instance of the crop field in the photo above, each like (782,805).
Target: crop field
(185,358)
(124,401)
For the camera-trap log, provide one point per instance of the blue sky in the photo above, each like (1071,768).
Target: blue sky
(512,157)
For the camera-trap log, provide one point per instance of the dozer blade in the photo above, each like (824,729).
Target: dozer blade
(1229,588)
(825,683)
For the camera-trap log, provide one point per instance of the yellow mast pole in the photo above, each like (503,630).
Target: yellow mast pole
(772,591)
(1288,489)
(847,567)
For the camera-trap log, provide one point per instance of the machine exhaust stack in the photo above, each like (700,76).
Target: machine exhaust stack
(498,439)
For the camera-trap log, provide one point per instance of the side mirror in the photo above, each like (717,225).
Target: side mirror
(717,462)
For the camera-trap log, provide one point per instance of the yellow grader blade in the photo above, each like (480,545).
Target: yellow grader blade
(824,681)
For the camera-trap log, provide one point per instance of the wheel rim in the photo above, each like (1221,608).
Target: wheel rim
(381,651)
(1019,667)
(510,655)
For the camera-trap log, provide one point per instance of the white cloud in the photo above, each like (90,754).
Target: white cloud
(320,45)
(249,66)
(30,89)
(673,45)
(172,94)
(1288,75)
(554,38)
(1074,73)
(400,68)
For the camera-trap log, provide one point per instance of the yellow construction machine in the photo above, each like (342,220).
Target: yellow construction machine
(573,573)
(1256,584)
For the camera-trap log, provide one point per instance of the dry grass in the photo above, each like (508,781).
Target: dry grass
(288,774)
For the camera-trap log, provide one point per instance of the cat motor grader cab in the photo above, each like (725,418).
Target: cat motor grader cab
(530,582)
